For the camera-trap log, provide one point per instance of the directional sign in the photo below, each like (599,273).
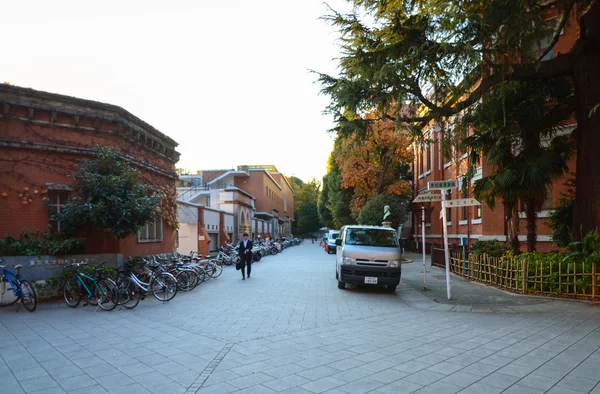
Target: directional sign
(462,202)
(427,198)
(441,185)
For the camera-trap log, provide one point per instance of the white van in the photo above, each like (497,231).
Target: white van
(368,255)
(331,237)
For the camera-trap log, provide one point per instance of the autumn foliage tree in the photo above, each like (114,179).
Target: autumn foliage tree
(372,162)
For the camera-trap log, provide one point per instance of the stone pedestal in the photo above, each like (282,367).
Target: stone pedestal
(387,224)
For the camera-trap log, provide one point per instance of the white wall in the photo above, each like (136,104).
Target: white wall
(188,238)
(211,221)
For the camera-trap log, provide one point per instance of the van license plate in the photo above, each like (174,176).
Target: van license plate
(370,280)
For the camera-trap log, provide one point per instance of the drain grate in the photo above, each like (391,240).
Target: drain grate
(210,369)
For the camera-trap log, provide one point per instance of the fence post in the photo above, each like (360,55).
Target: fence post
(594,280)
(524,266)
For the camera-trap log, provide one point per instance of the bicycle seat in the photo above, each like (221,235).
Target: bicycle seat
(18,266)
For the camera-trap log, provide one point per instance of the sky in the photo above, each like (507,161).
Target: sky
(228,80)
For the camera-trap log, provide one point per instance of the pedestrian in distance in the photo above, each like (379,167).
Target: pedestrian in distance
(245,253)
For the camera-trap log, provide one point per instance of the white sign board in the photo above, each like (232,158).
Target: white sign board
(427,198)
(441,185)
(462,202)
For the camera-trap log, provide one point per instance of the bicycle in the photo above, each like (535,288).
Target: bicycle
(160,283)
(22,290)
(103,290)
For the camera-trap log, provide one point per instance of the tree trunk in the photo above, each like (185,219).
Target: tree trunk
(531,212)
(586,78)
(511,216)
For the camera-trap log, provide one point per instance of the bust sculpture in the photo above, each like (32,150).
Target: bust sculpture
(386,212)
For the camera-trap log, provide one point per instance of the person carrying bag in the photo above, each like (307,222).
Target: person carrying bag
(245,253)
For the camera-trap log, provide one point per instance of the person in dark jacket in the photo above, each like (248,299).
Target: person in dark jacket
(245,253)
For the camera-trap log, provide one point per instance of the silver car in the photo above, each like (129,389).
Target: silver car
(368,255)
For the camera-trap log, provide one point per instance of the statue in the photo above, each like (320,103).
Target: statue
(386,212)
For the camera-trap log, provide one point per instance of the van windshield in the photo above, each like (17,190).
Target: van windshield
(371,237)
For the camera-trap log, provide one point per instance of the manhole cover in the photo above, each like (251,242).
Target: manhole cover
(440,277)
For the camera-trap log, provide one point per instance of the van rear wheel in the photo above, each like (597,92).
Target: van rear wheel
(341,285)
(391,288)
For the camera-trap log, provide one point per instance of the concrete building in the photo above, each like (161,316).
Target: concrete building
(479,222)
(44,136)
(259,197)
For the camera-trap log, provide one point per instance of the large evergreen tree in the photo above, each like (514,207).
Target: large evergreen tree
(445,56)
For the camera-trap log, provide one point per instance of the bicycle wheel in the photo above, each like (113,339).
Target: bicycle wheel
(129,296)
(28,296)
(184,281)
(107,294)
(164,287)
(194,278)
(217,270)
(72,292)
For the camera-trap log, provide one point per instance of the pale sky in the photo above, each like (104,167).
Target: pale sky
(227,80)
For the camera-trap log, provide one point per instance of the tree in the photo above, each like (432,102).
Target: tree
(515,130)
(444,57)
(109,198)
(372,213)
(325,216)
(372,162)
(308,219)
(338,198)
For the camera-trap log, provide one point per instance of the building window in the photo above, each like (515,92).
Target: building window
(208,201)
(57,200)
(428,158)
(478,212)
(267,190)
(152,231)
(465,210)
(448,210)
(547,204)
(421,160)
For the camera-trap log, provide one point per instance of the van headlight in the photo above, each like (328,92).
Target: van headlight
(349,260)
(394,263)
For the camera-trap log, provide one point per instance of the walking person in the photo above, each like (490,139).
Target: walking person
(245,253)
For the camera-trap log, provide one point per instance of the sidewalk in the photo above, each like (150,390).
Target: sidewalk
(471,296)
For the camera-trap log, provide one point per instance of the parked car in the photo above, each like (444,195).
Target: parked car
(331,237)
(368,255)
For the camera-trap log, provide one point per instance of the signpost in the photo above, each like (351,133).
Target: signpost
(427,196)
(442,186)
(462,202)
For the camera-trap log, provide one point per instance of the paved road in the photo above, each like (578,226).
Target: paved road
(289,329)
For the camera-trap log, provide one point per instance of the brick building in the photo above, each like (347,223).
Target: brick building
(43,136)
(480,222)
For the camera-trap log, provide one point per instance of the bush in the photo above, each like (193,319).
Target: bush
(372,213)
(39,243)
(492,248)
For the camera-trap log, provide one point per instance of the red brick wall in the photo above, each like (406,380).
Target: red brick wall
(22,168)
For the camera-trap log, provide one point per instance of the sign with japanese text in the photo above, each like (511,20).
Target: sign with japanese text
(441,185)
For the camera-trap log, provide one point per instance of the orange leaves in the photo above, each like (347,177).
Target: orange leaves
(370,164)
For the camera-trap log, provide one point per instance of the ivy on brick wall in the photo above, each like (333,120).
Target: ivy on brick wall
(111,197)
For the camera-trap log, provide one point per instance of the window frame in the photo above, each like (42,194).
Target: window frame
(158,220)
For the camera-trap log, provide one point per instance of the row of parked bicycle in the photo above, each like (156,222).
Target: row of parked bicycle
(160,275)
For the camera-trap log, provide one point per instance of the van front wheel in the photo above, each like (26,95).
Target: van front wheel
(341,285)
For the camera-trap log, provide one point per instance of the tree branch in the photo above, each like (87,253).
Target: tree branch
(561,25)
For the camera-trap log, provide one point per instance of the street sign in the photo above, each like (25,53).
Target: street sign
(461,202)
(441,185)
(427,198)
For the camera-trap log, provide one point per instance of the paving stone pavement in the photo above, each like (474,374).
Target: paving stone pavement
(290,329)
